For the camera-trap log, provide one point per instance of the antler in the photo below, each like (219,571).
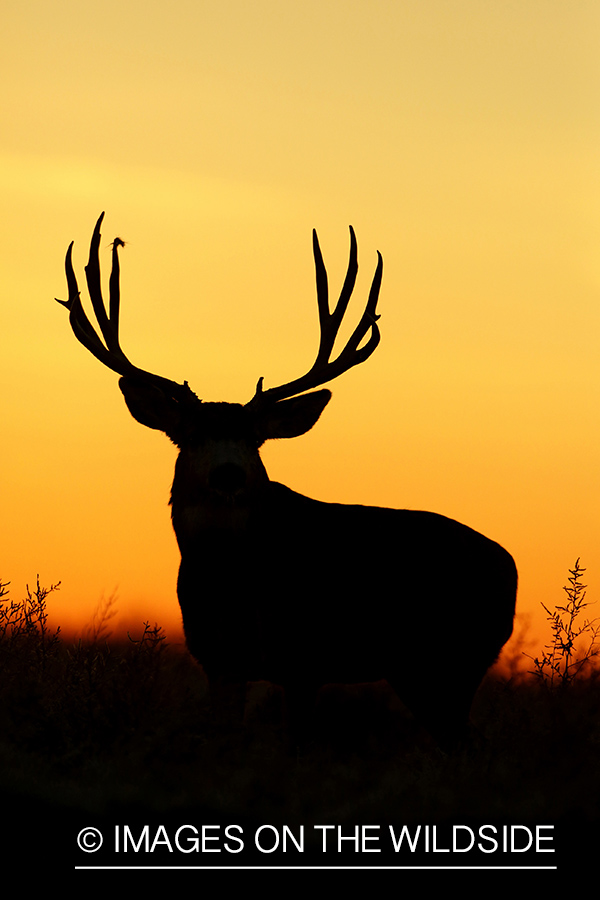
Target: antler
(324,370)
(110,355)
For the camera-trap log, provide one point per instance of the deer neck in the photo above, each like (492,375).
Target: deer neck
(208,509)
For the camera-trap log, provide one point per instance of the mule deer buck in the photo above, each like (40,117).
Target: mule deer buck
(277,587)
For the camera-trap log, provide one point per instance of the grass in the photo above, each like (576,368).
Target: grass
(109,728)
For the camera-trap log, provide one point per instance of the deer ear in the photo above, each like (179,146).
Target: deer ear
(149,405)
(291,418)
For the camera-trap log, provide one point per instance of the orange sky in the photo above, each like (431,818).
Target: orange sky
(459,139)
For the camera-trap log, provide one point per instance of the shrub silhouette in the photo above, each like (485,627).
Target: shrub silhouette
(567,657)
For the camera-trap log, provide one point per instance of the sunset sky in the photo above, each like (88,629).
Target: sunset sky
(459,138)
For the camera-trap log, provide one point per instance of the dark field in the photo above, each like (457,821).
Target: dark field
(106,733)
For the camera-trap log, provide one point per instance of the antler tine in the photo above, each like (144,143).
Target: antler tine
(92,275)
(114,294)
(330,322)
(324,370)
(110,353)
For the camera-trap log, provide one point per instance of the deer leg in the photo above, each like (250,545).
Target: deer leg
(442,709)
(227,699)
(300,704)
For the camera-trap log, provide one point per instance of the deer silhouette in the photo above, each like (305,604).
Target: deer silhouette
(278,587)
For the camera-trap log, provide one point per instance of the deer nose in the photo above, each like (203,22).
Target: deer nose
(227,478)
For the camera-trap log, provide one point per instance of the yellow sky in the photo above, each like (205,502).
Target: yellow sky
(458,138)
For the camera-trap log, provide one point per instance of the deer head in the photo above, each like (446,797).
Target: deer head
(219,461)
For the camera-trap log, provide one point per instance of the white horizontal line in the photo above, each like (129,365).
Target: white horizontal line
(425,868)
